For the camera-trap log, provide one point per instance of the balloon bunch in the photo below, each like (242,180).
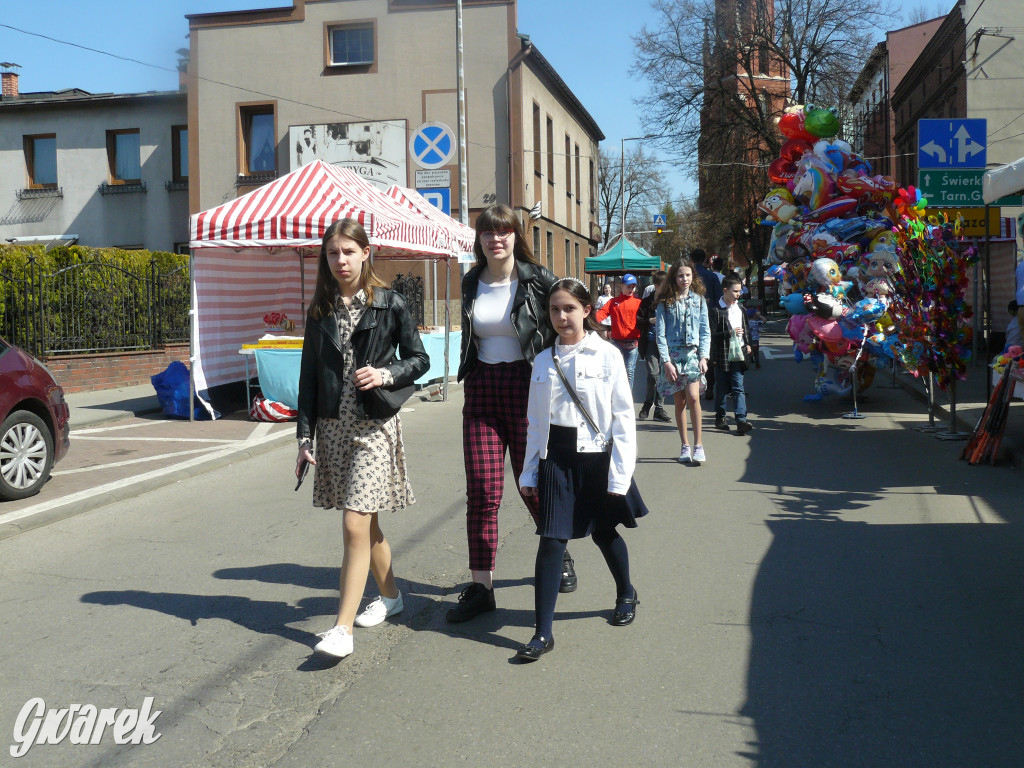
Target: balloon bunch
(930,307)
(833,249)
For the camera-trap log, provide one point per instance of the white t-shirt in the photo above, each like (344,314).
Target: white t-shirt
(492,323)
(735,314)
(601,301)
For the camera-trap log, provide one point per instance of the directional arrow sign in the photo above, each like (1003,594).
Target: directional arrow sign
(957,189)
(951,143)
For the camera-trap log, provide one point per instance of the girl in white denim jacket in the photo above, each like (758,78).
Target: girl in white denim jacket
(581,471)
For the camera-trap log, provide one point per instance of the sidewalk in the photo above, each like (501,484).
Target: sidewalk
(971,401)
(122,446)
(89,408)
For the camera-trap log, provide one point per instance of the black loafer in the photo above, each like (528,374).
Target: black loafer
(531,652)
(625,610)
(568,582)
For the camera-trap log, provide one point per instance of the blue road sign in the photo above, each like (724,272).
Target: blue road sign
(950,143)
(660,220)
(439,197)
(432,145)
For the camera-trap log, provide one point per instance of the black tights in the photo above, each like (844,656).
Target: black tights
(548,572)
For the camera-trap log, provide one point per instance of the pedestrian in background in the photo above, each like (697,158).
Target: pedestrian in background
(712,295)
(648,350)
(684,341)
(754,321)
(580,456)
(604,298)
(625,334)
(504,326)
(729,349)
(354,329)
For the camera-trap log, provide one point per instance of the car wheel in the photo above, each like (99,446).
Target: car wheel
(26,455)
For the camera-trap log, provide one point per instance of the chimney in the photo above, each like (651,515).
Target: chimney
(10,84)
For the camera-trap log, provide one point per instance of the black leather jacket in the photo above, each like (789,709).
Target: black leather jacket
(384,328)
(529,313)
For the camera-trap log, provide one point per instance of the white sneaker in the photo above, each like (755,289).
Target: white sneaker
(684,455)
(337,642)
(378,610)
(698,454)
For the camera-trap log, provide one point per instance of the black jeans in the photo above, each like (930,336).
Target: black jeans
(653,397)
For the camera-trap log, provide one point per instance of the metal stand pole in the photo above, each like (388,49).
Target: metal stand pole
(853,379)
(951,433)
(930,388)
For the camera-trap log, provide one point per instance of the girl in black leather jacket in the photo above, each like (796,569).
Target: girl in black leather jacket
(351,386)
(504,326)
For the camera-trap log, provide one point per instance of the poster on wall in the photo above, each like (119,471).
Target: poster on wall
(374,150)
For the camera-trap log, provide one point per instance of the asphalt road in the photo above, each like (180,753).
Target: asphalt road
(823,592)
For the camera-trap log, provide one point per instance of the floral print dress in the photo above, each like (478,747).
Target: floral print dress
(360,463)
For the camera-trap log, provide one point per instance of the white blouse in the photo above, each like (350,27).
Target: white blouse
(564,412)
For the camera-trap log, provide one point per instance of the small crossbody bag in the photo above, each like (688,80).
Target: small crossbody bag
(575,398)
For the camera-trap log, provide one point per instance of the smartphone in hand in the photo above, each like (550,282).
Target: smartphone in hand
(303,469)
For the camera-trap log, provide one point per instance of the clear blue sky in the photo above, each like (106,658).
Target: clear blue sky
(587,41)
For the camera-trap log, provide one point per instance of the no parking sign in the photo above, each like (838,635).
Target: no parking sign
(432,145)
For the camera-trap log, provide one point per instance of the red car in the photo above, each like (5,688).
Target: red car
(33,423)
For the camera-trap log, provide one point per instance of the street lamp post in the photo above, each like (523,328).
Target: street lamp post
(622,176)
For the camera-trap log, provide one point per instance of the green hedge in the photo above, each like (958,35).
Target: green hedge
(109,302)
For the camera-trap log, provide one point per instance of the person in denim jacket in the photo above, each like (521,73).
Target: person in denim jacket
(684,343)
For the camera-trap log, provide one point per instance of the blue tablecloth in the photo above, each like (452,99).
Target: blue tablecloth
(279,368)
(433,343)
(279,374)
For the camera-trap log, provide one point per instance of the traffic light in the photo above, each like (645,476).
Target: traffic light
(660,230)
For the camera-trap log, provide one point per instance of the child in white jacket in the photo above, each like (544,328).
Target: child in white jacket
(579,456)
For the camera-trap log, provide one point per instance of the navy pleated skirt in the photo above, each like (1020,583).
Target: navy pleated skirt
(574,500)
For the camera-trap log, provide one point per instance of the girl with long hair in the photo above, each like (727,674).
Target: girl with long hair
(684,343)
(349,383)
(504,326)
(580,456)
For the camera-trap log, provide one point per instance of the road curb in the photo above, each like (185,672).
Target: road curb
(131,490)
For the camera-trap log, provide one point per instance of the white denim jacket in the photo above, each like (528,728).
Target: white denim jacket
(603,387)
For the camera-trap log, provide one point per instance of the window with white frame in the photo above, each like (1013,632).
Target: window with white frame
(351,45)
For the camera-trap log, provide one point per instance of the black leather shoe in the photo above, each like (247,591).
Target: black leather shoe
(625,610)
(474,600)
(721,424)
(660,415)
(536,648)
(743,426)
(568,583)
(644,412)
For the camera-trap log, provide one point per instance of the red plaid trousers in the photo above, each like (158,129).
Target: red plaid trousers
(493,421)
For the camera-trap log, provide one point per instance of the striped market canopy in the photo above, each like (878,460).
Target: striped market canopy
(462,237)
(295,210)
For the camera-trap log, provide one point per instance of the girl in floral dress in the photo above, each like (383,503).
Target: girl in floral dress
(348,403)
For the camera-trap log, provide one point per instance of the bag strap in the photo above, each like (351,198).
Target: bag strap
(573,395)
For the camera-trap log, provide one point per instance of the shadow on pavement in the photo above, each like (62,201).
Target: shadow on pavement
(879,636)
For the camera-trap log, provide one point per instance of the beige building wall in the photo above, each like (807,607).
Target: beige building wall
(995,68)
(278,57)
(565,191)
(270,60)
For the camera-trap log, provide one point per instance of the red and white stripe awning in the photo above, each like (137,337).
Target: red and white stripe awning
(462,236)
(295,210)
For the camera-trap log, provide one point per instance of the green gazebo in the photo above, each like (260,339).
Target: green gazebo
(620,258)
